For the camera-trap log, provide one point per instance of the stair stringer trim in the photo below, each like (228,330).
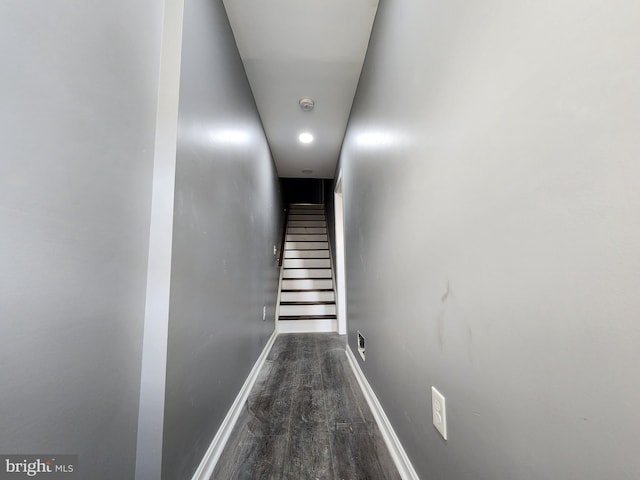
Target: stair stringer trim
(341,323)
(212,455)
(277,314)
(400,458)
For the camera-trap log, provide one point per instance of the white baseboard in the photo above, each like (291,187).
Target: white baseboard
(403,464)
(208,463)
(307,326)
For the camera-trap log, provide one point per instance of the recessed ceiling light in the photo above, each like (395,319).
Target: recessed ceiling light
(305,137)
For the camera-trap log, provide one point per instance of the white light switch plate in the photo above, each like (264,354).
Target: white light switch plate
(439,412)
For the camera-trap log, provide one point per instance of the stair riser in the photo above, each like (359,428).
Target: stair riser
(307,310)
(307,273)
(307,284)
(306,217)
(306,254)
(306,212)
(306,246)
(293,297)
(307,263)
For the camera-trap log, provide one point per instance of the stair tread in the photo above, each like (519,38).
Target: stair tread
(305,304)
(307,223)
(313,289)
(294,290)
(306,246)
(307,240)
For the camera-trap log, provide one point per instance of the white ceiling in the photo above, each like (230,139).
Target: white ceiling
(303,48)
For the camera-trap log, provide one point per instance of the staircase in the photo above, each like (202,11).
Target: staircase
(307,298)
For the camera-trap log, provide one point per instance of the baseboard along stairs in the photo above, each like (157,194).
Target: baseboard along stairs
(307,297)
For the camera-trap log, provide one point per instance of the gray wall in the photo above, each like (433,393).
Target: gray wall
(491,185)
(226,222)
(79,91)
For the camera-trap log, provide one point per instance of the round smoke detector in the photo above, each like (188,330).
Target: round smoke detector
(306,104)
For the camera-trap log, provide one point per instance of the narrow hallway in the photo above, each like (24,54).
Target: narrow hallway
(306,418)
(479,164)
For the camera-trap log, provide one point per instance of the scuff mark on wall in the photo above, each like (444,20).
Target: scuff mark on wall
(446,293)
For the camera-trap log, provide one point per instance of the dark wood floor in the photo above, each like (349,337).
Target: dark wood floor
(306,418)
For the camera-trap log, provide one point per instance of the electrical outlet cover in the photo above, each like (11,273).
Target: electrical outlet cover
(439,412)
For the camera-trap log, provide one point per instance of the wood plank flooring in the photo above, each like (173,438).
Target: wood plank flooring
(306,418)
